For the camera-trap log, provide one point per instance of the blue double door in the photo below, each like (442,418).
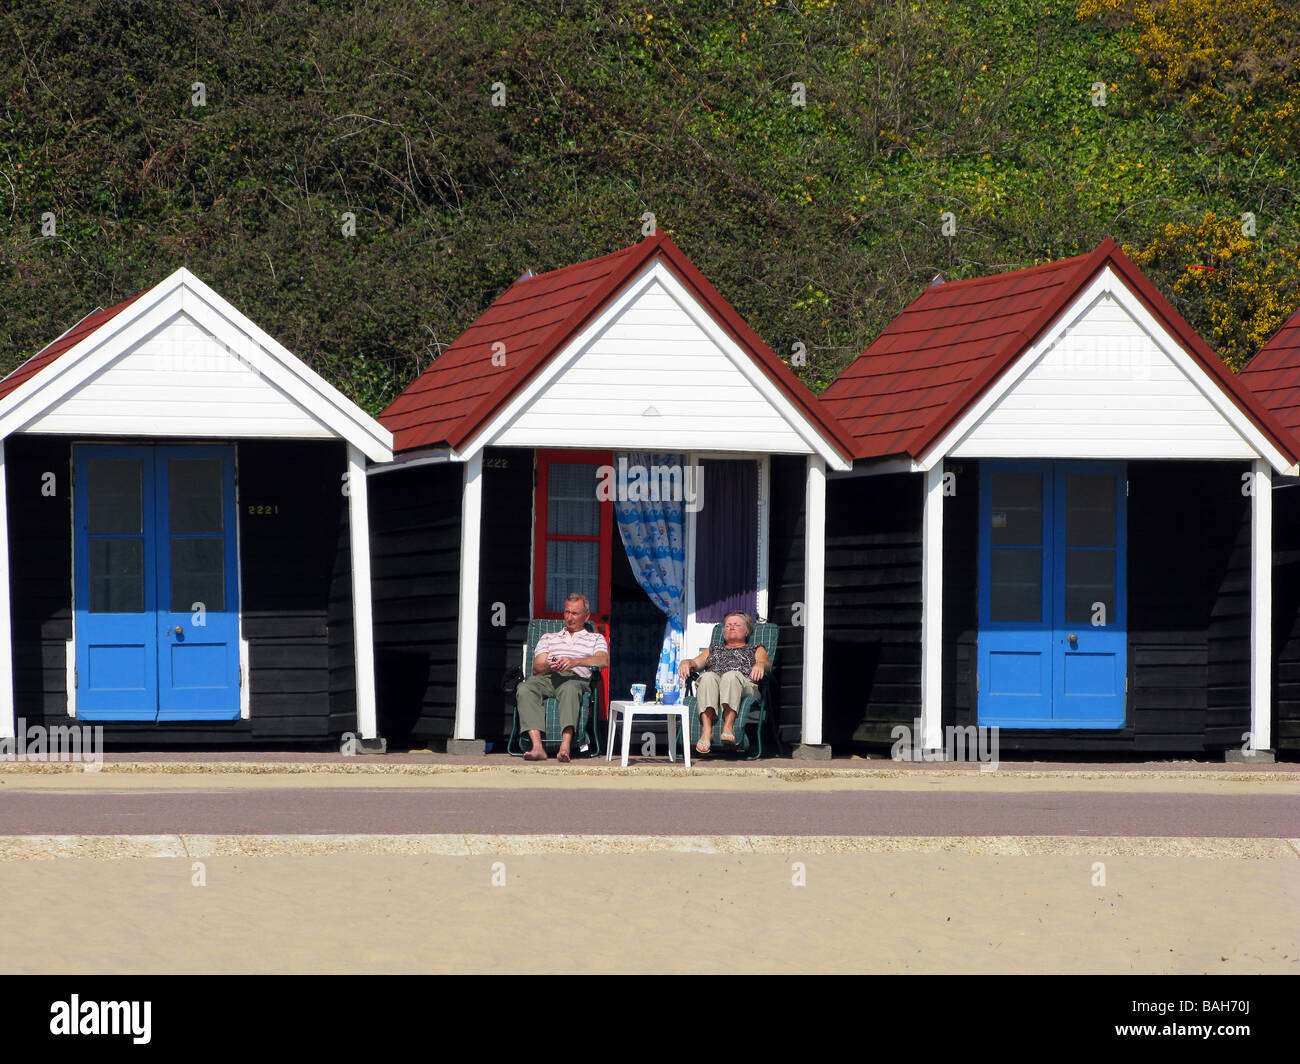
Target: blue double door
(155,580)
(1052,645)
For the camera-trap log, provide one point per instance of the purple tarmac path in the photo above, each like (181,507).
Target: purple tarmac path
(584,811)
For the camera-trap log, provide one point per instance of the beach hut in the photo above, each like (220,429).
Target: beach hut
(623,383)
(184,533)
(1274,376)
(1057,523)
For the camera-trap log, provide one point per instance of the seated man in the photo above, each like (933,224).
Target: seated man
(561,668)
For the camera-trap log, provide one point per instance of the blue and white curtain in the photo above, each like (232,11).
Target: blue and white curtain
(654,535)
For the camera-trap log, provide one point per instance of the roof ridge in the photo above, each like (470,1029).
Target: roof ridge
(1004,275)
(574,265)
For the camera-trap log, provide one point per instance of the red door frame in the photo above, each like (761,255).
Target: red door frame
(541,500)
(541,497)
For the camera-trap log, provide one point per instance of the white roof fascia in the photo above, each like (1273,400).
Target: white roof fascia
(179,293)
(296,379)
(660,272)
(1108,283)
(90,356)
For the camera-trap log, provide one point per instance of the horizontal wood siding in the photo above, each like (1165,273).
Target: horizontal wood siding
(505,582)
(1184,572)
(786,592)
(655,355)
(415,573)
(342,648)
(873,606)
(1227,515)
(288,564)
(287,567)
(1286,616)
(960,592)
(40,574)
(181,380)
(1104,389)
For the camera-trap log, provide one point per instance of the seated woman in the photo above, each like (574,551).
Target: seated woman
(728,672)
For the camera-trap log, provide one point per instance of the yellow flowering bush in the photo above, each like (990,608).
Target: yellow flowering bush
(1233,65)
(1233,294)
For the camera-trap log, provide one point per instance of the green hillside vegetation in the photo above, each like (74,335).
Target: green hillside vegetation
(1042,126)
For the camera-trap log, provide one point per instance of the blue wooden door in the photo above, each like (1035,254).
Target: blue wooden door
(156,583)
(1052,608)
(1090,607)
(114,583)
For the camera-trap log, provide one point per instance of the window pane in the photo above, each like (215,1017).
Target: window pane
(117,576)
(1090,510)
(1089,579)
(198,574)
(113,495)
(1016,517)
(572,507)
(194,494)
(571,566)
(1015,585)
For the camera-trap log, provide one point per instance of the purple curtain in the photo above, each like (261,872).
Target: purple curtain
(726,541)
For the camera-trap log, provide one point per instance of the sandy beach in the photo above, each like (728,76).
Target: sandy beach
(906,911)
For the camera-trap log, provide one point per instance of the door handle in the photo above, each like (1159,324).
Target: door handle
(1074,639)
(180,631)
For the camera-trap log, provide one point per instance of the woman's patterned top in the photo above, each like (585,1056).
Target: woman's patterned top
(723,658)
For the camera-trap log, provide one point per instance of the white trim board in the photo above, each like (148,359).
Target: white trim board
(522,422)
(1126,390)
(184,294)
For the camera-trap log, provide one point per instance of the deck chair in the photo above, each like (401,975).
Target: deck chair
(752,713)
(587,731)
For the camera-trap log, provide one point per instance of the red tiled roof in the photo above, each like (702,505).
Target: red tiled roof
(940,355)
(536,318)
(1274,374)
(62,345)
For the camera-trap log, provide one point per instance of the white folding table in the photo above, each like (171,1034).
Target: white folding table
(628,711)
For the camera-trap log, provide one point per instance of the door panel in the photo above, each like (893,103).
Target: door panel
(116,647)
(1015,639)
(1053,633)
(1091,638)
(198,661)
(155,583)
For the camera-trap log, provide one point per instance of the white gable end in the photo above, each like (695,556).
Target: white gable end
(181,361)
(654,373)
(180,381)
(1108,382)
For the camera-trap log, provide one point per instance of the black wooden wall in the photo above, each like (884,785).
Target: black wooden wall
(960,592)
(505,569)
(290,563)
(40,573)
(785,593)
(415,519)
(415,579)
(1208,516)
(873,607)
(1189,612)
(294,583)
(1286,616)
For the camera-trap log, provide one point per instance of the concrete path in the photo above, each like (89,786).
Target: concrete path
(542,810)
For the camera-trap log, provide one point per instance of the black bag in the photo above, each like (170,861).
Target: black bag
(513,677)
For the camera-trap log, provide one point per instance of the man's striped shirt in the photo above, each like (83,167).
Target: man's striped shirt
(581,644)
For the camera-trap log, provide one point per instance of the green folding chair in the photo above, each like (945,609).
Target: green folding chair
(752,713)
(587,732)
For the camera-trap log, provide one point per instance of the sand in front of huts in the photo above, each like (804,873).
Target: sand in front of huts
(891,910)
